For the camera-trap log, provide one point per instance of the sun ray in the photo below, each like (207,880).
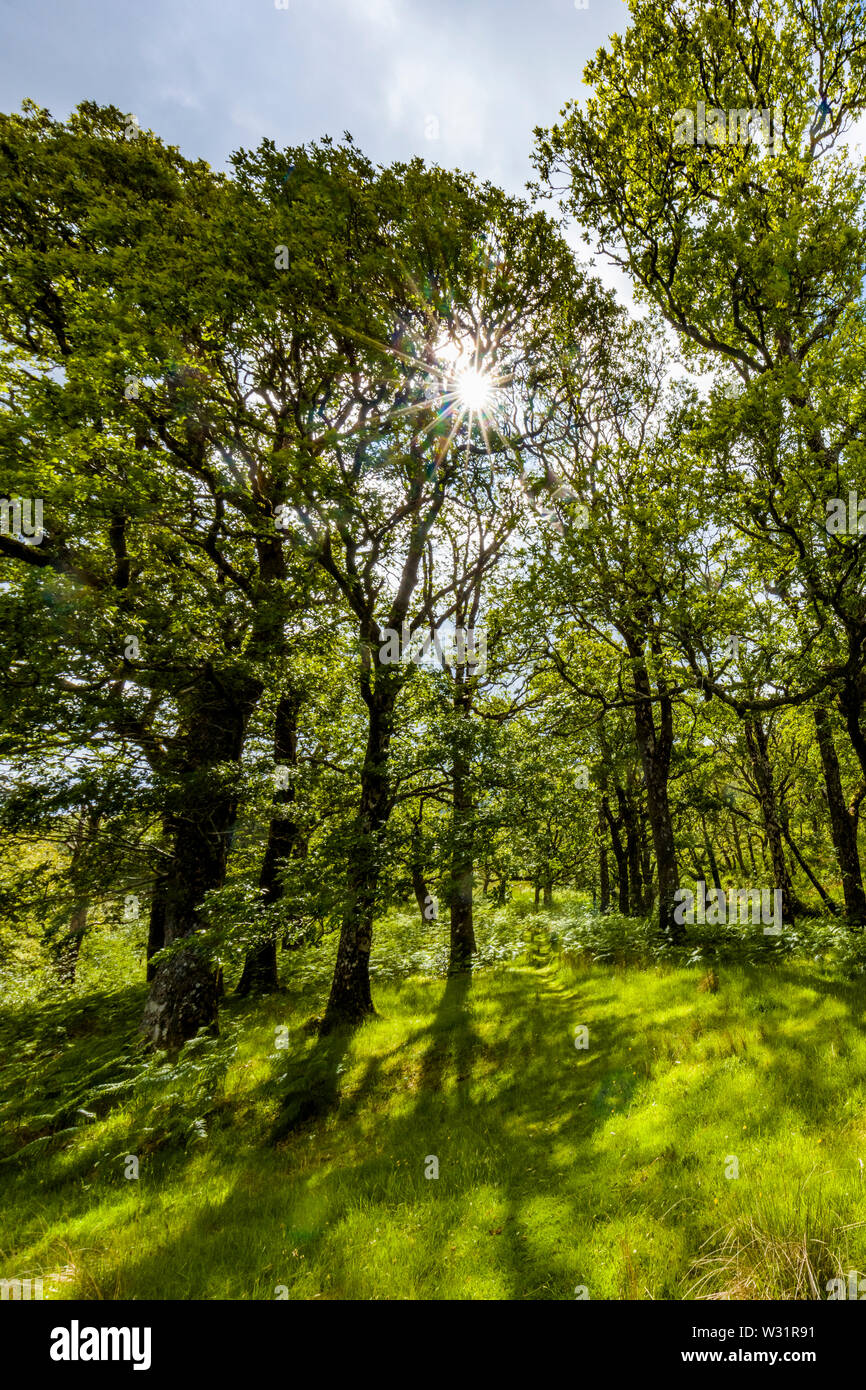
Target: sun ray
(467,386)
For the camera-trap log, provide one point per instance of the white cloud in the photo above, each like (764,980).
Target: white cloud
(383,13)
(177,97)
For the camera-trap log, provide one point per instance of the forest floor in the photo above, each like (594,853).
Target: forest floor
(703,1144)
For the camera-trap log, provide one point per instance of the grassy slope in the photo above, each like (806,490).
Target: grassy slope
(558,1167)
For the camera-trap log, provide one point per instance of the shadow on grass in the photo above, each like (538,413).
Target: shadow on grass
(450,1033)
(56,1053)
(518,1125)
(312,1083)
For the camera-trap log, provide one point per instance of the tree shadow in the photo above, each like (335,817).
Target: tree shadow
(312,1083)
(531,1147)
(450,1031)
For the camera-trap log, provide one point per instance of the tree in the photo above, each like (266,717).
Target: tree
(747,234)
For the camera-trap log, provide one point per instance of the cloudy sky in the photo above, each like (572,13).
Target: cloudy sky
(462,82)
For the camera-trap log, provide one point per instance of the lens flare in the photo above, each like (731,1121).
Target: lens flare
(473,390)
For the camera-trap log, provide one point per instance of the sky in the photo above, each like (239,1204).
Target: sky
(461,82)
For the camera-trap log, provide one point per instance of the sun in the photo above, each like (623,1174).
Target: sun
(473,390)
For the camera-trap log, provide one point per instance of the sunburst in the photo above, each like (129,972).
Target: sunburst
(463,387)
(474,390)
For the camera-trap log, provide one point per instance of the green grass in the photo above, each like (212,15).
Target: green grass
(558,1167)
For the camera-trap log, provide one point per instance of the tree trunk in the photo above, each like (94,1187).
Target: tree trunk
(259,974)
(851,700)
(462,833)
(724,854)
(655,745)
(628,817)
(603,876)
(68,948)
(816,884)
(738,848)
(665,851)
(423,896)
(183,990)
(462,928)
(756,741)
(183,996)
(156,925)
(350,1000)
(714,867)
(619,854)
(645,862)
(844,832)
(548,892)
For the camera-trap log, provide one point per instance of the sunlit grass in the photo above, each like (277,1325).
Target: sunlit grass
(558,1167)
